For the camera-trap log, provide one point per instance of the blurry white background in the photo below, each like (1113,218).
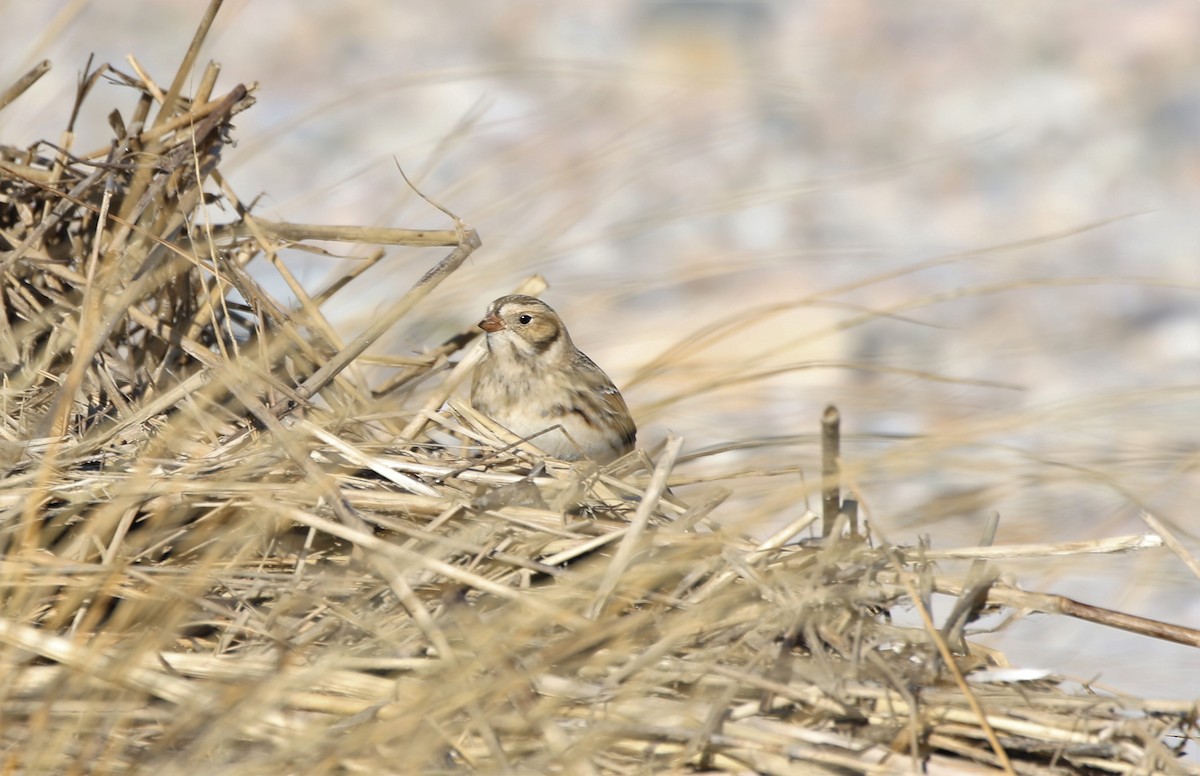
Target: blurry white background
(981,220)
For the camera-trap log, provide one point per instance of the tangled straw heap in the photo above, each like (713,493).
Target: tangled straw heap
(220,554)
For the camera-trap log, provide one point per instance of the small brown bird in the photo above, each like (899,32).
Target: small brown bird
(534,379)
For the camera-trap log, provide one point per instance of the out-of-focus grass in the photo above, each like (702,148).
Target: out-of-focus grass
(872,242)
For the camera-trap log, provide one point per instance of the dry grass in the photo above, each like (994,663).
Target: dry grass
(226,550)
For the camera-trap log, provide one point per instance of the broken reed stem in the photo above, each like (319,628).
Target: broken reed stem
(1169,539)
(167,107)
(831,498)
(24,82)
(421,289)
(951,666)
(375,235)
(1050,603)
(637,525)
(1105,546)
(979,579)
(487,619)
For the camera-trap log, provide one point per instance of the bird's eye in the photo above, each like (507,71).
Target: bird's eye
(526,318)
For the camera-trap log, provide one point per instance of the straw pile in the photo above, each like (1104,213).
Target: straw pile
(221,553)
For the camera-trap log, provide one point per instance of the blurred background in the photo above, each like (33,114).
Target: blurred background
(973,227)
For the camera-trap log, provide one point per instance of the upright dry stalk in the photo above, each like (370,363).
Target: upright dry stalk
(831,498)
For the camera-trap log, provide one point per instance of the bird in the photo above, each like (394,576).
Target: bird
(538,385)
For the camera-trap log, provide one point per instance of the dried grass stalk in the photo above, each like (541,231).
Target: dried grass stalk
(218,557)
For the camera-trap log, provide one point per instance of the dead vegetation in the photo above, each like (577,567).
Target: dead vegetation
(220,556)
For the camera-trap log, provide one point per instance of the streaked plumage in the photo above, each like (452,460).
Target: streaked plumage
(534,378)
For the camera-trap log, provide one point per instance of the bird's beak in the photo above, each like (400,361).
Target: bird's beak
(491,323)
